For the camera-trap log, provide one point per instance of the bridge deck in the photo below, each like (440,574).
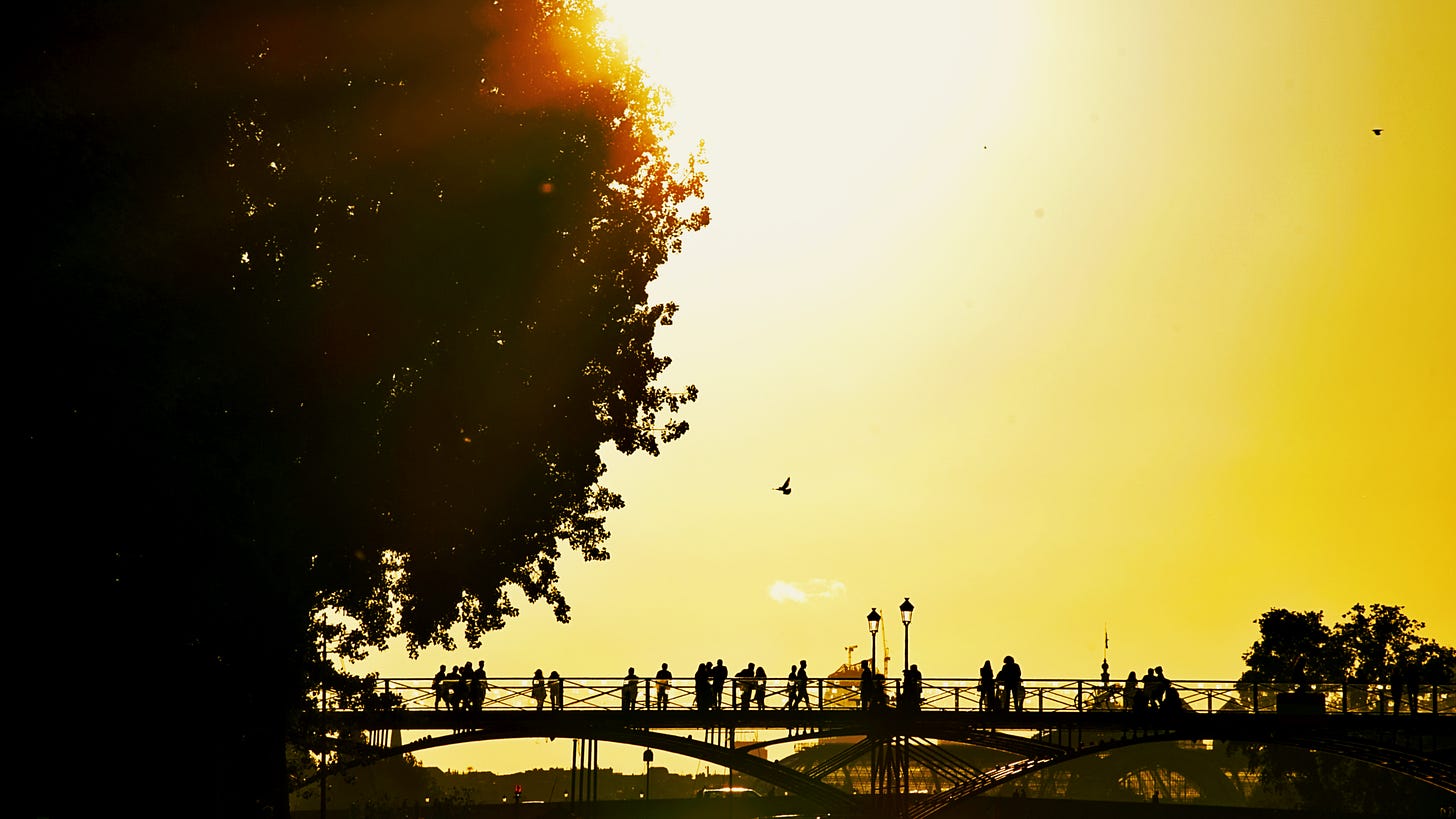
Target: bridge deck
(954,695)
(925,723)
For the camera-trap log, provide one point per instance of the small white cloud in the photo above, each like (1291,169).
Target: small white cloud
(783,591)
(802,591)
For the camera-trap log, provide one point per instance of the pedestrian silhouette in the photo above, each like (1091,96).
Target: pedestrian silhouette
(1009,678)
(877,691)
(988,688)
(760,687)
(1168,699)
(557,688)
(538,689)
(720,680)
(629,690)
(801,685)
(452,688)
(743,686)
(785,488)
(479,687)
(438,686)
(664,683)
(1153,694)
(703,686)
(912,687)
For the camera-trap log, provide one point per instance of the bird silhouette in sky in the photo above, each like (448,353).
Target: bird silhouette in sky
(1377,130)
(785,488)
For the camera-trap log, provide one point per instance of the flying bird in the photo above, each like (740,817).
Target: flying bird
(785,488)
(1377,130)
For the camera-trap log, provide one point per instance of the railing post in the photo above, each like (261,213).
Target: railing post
(956,697)
(1345,697)
(1256,698)
(1079,695)
(821,693)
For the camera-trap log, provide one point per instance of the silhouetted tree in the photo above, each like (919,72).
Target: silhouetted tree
(1369,645)
(1290,643)
(1382,641)
(326,307)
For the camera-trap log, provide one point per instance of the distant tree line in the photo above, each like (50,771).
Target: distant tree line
(402,782)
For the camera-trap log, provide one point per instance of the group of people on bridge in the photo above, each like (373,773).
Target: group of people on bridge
(460,689)
(1002,690)
(874,691)
(1155,693)
(750,687)
(464,688)
(661,682)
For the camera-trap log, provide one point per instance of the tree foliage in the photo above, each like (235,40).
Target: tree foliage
(333,307)
(1370,644)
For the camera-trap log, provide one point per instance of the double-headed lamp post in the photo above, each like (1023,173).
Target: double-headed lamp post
(907,610)
(874,620)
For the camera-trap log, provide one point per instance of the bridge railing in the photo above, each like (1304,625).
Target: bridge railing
(939,694)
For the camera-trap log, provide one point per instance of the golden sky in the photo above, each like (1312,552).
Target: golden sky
(1060,315)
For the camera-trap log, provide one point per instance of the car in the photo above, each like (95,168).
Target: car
(735,792)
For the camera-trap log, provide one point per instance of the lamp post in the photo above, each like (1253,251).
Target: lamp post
(874,620)
(907,610)
(647,774)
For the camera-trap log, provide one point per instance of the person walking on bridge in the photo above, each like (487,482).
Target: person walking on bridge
(798,688)
(438,686)
(538,689)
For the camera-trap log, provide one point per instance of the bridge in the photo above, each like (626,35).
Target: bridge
(892,739)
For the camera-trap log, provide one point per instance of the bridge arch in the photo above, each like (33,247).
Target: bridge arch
(1061,734)
(814,790)
(1417,765)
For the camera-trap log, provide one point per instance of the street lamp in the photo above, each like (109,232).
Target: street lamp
(874,620)
(907,610)
(647,774)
